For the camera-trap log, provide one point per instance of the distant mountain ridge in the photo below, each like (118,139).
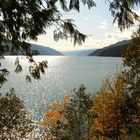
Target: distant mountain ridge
(84,52)
(41,50)
(45,50)
(115,50)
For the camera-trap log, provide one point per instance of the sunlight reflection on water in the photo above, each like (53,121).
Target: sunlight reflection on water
(62,76)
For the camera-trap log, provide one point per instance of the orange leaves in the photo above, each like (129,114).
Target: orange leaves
(51,118)
(108,115)
(71,118)
(53,115)
(56,106)
(108,104)
(66,99)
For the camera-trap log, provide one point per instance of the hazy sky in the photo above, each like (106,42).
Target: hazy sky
(96,22)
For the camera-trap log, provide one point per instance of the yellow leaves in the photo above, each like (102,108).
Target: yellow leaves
(108,102)
(52,118)
(53,115)
(109,106)
(56,106)
(66,99)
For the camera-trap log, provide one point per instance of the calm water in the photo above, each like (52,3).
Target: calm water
(62,76)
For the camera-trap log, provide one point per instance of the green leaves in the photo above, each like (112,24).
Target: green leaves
(63,4)
(68,30)
(18,66)
(2,79)
(23,20)
(35,69)
(122,11)
(3,74)
(75,4)
(90,3)
(28,78)
(131,62)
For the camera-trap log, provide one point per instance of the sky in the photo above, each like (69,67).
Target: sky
(97,23)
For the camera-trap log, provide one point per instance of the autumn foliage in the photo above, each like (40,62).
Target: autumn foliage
(110,106)
(71,118)
(53,114)
(109,115)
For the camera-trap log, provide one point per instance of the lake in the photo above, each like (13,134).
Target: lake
(62,76)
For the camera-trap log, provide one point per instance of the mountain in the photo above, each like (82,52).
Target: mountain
(41,50)
(78,52)
(45,50)
(115,50)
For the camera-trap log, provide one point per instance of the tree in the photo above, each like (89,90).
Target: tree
(22,20)
(14,120)
(3,75)
(122,11)
(53,115)
(72,118)
(117,104)
(131,61)
(114,108)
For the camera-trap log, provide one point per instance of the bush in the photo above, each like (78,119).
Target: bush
(14,121)
(72,118)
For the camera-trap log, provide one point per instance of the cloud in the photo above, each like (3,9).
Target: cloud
(98,39)
(86,18)
(137,12)
(90,43)
(115,25)
(104,25)
(108,39)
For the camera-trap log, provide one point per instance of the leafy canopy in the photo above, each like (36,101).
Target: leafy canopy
(22,20)
(123,12)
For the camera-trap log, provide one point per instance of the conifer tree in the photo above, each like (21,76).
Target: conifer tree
(23,20)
